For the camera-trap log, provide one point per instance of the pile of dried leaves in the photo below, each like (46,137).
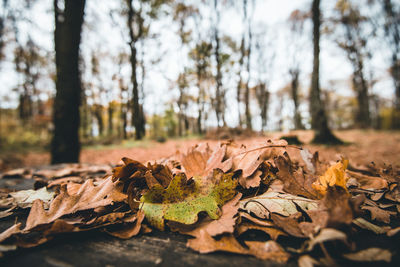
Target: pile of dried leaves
(272,201)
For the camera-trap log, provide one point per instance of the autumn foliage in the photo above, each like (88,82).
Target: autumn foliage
(220,197)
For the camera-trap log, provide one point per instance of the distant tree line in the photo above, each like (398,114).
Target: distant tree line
(218,73)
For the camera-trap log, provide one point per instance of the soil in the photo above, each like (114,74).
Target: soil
(361,148)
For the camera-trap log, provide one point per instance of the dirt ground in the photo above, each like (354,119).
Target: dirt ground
(363,147)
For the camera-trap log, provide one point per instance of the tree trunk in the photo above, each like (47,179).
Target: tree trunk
(319,120)
(239,85)
(136,116)
(65,146)
(263,100)
(200,98)
(247,88)
(392,30)
(85,116)
(218,78)
(110,118)
(363,112)
(98,113)
(396,78)
(294,73)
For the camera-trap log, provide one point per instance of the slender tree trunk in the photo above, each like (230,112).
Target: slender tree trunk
(136,116)
(396,78)
(110,118)
(247,88)
(65,145)
(85,116)
(295,96)
(200,98)
(263,100)
(363,113)
(218,78)
(239,85)
(319,120)
(98,113)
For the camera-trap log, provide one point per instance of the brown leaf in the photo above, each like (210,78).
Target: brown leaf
(379,214)
(295,181)
(161,173)
(204,243)
(73,169)
(289,224)
(129,229)
(17,173)
(274,233)
(338,205)
(225,224)
(66,180)
(10,232)
(369,182)
(255,220)
(129,168)
(369,226)
(88,197)
(393,232)
(319,219)
(269,250)
(394,193)
(201,160)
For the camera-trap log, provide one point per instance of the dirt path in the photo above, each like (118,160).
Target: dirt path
(364,147)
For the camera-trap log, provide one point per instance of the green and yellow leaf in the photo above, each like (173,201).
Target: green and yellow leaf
(184,199)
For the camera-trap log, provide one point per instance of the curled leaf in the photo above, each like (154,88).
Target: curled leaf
(334,175)
(281,203)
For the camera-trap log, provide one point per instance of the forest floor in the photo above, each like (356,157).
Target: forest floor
(361,148)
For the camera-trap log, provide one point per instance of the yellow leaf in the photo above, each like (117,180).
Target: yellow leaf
(334,175)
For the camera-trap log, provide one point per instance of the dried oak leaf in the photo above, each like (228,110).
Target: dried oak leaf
(334,175)
(289,224)
(273,232)
(87,197)
(338,204)
(269,250)
(295,180)
(184,199)
(136,177)
(130,228)
(225,224)
(24,198)
(60,181)
(72,169)
(282,203)
(378,213)
(249,160)
(200,160)
(361,222)
(255,220)
(369,182)
(129,170)
(394,193)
